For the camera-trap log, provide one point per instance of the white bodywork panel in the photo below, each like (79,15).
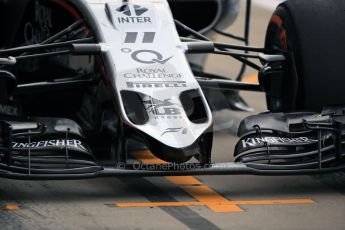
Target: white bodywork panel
(141,39)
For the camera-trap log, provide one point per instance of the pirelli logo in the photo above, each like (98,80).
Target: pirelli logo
(157,84)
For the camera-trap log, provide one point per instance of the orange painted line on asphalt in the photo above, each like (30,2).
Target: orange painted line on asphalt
(183,180)
(9,207)
(273,202)
(207,195)
(148,158)
(197,203)
(204,195)
(251,79)
(200,193)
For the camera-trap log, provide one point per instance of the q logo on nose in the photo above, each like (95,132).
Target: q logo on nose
(156,57)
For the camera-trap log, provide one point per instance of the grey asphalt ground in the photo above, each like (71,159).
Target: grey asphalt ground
(90,204)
